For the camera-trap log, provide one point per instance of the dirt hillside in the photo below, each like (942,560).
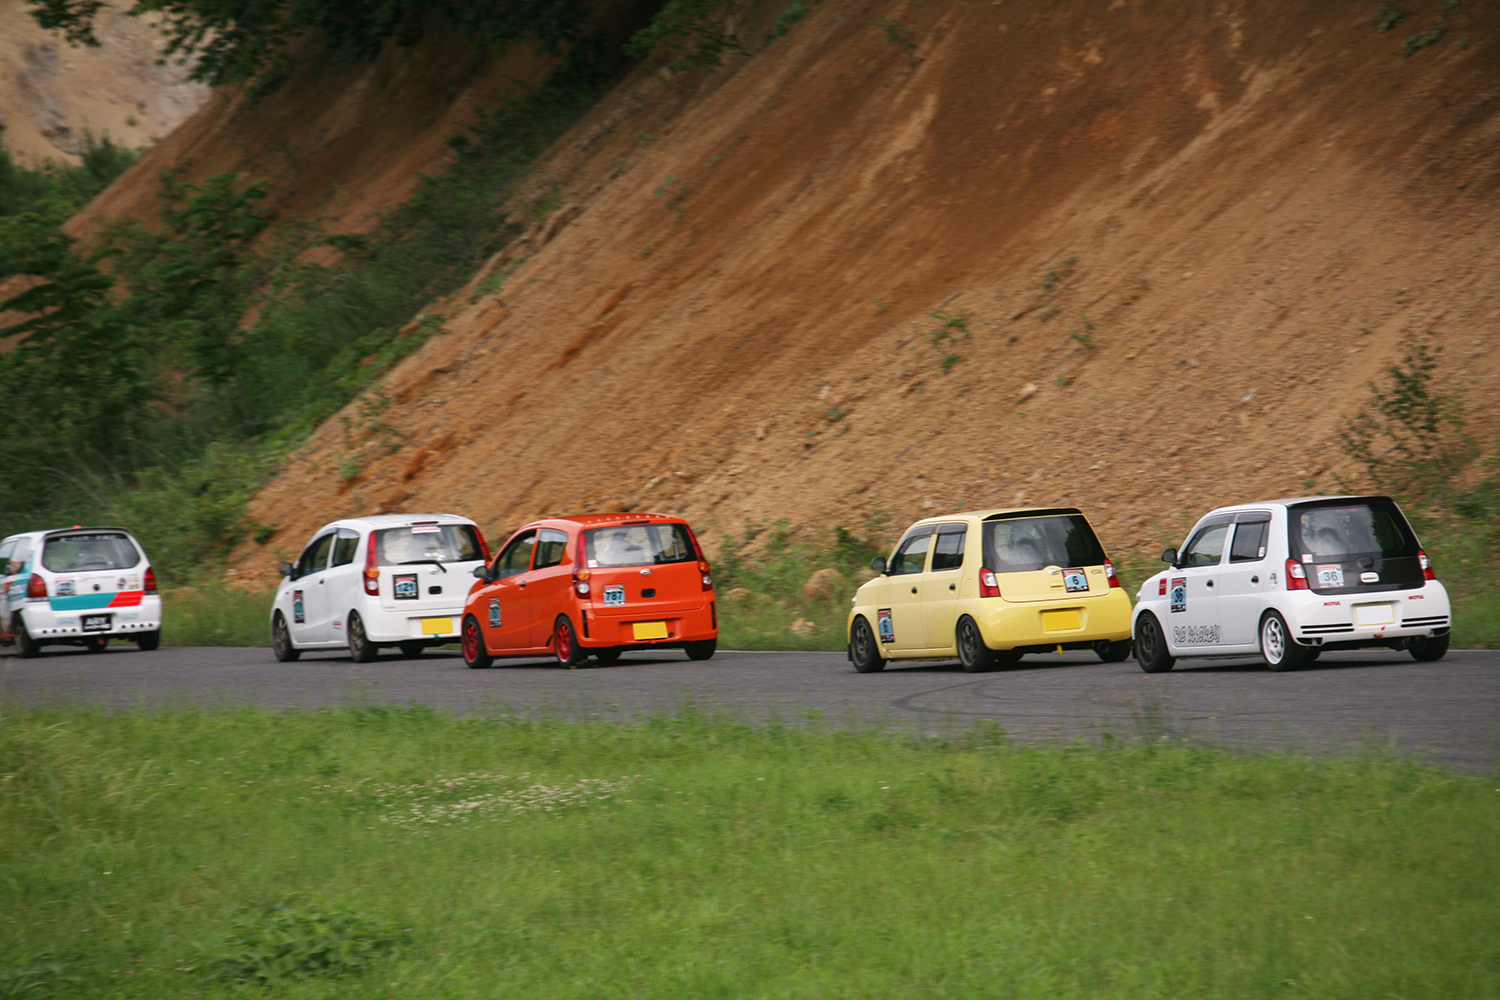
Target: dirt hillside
(1168,242)
(53,94)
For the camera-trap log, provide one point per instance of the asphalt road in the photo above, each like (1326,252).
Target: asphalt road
(1449,711)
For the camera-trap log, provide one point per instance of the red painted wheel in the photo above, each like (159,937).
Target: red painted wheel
(475,654)
(565,644)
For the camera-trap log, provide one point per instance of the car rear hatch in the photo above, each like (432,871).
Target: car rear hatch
(1045,556)
(1355,545)
(426,566)
(643,570)
(93,570)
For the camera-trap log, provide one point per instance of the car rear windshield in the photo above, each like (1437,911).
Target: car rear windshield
(81,553)
(1351,528)
(639,545)
(425,543)
(1016,545)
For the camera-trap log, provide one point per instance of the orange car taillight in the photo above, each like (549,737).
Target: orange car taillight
(1109,574)
(1296,576)
(581,572)
(988,585)
(372,569)
(1427,573)
(36,586)
(708,577)
(150,580)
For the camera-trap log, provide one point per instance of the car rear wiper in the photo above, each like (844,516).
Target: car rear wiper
(434,562)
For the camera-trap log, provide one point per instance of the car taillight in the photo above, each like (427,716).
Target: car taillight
(1109,574)
(372,569)
(1427,573)
(708,578)
(1296,576)
(581,572)
(988,585)
(150,580)
(36,586)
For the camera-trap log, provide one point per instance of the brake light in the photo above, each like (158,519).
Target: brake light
(1296,576)
(708,577)
(1427,573)
(372,569)
(150,580)
(581,572)
(988,585)
(36,586)
(1109,573)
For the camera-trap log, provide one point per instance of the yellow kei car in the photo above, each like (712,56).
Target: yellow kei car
(988,587)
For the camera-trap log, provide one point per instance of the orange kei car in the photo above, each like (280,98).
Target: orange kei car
(592,584)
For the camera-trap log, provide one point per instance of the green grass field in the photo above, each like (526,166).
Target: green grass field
(403,853)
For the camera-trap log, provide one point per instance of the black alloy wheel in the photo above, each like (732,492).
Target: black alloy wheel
(973,655)
(862,649)
(281,640)
(1151,646)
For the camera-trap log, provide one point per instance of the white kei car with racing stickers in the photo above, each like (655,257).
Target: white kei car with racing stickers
(1290,578)
(79,587)
(385,580)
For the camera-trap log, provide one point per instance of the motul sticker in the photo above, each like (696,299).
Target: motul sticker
(884,625)
(1179,593)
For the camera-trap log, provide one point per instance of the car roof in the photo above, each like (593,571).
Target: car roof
(392,521)
(77,529)
(601,520)
(1291,502)
(995,513)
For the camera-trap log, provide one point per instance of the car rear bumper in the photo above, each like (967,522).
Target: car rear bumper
(1008,626)
(46,625)
(441,624)
(671,629)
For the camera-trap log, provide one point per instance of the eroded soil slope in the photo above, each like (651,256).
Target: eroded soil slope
(1170,241)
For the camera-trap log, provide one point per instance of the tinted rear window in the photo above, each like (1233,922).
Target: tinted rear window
(1017,545)
(427,543)
(81,553)
(1351,528)
(639,545)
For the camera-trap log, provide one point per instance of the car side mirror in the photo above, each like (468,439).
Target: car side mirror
(289,571)
(1170,556)
(878,564)
(481,572)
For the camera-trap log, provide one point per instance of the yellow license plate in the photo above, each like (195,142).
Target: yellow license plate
(437,626)
(650,630)
(1062,621)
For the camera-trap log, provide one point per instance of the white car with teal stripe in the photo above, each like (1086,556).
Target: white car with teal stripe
(77,586)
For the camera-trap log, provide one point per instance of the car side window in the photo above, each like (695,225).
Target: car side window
(1206,548)
(345,546)
(550,546)
(1249,543)
(948,553)
(5,551)
(315,556)
(911,557)
(517,556)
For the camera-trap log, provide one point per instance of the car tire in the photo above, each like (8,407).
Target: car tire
(1429,650)
(98,644)
(701,650)
(973,655)
(1151,646)
(863,652)
(1112,652)
(1276,645)
(361,649)
(26,646)
(147,641)
(410,650)
(565,643)
(281,640)
(608,655)
(472,642)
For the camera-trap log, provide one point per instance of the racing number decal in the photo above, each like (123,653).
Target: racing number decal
(1179,593)
(883,624)
(494,612)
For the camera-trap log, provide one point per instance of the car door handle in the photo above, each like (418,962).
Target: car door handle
(952,586)
(1210,583)
(914,590)
(1255,579)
